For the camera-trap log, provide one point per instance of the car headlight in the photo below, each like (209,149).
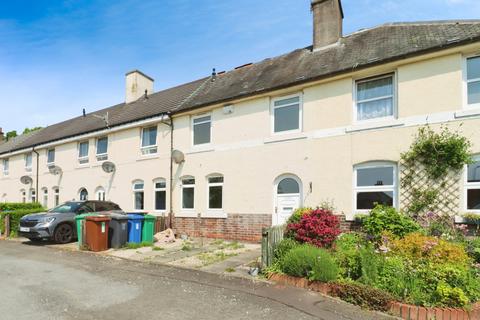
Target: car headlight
(46,221)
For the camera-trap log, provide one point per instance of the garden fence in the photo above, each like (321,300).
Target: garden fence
(270,239)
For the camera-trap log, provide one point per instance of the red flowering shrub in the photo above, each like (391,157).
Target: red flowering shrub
(319,228)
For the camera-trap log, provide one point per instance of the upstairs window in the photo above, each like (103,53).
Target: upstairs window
(6,167)
(149,140)
(473,80)
(102,149)
(375,183)
(83,152)
(138,195)
(50,157)
(215,193)
(202,126)
(287,114)
(160,187)
(28,162)
(375,98)
(472,187)
(188,193)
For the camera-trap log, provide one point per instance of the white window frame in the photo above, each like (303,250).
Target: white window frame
(192,123)
(155,189)
(45,197)
(101,156)
(100,194)
(150,149)
(469,186)
(32,195)
(466,105)
(218,211)
(85,159)
(23,194)
(375,164)
(28,168)
(300,113)
(56,196)
(49,164)
(6,166)
(142,190)
(394,116)
(188,186)
(80,194)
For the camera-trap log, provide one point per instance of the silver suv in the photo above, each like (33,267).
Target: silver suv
(58,224)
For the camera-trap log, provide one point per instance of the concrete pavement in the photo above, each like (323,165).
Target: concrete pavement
(40,282)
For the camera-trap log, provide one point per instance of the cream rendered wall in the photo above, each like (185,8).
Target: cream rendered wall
(251,158)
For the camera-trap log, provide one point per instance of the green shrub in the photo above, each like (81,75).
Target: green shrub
(451,297)
(362,295)
(324,268)
(394,277)
(11,206)
(347,255)
(473,249)
(283,247)
(387,219)
(298,214)
(299,261)
(370,264)
(15,217)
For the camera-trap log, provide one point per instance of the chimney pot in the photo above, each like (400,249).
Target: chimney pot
(327,22)
(138,85)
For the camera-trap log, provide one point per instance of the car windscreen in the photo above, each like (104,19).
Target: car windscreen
(67,207)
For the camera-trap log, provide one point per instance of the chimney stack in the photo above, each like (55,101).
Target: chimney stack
(137,85)
(327,22)
(2,137)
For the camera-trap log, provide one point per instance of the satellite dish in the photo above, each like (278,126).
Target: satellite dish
(55,170)
(178,156)
(26,180)
(108,167)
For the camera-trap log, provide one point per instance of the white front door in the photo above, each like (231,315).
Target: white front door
(287,199)
(286,205)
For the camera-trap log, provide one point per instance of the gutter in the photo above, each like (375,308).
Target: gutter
(170,189)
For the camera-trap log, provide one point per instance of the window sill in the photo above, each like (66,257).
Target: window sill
(286,137)
(148,157)
(220,214)
(374,125)
(200,149)
(468,112)
(82,166)
(187,214)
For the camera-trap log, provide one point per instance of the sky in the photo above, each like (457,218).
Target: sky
(58,57)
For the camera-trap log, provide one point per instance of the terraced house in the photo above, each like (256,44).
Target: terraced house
(236,151)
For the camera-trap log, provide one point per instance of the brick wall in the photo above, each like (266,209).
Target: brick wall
(243,227)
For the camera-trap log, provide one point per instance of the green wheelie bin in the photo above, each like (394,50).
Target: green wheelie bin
(148,228)
(80,222)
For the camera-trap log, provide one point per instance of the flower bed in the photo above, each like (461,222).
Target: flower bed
(426,266)
(402,310)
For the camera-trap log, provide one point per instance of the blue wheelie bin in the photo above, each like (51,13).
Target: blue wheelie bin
(135,222)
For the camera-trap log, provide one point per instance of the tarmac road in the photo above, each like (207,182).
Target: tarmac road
(38,282)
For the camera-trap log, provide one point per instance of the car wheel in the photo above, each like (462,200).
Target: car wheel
(63,233)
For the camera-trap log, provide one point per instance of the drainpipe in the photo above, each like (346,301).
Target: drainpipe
(170,214)
(36,173)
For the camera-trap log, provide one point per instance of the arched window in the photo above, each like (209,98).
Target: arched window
(215,192)
(160,194)
(138,195)
(23,195)
(188,193)
(83,194)
(45,197)
(100,194)
(375,183)
(33,195)
(288,186)
(56,196)
(472,186)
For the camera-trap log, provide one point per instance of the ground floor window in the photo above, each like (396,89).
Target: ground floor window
(138,195)
(375,183)
(83,194)
(188,193)
(33,195)
(160,189)
(100,194)
(23,193)
(45,198)
(56,196)
(472,186)
(215,192)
